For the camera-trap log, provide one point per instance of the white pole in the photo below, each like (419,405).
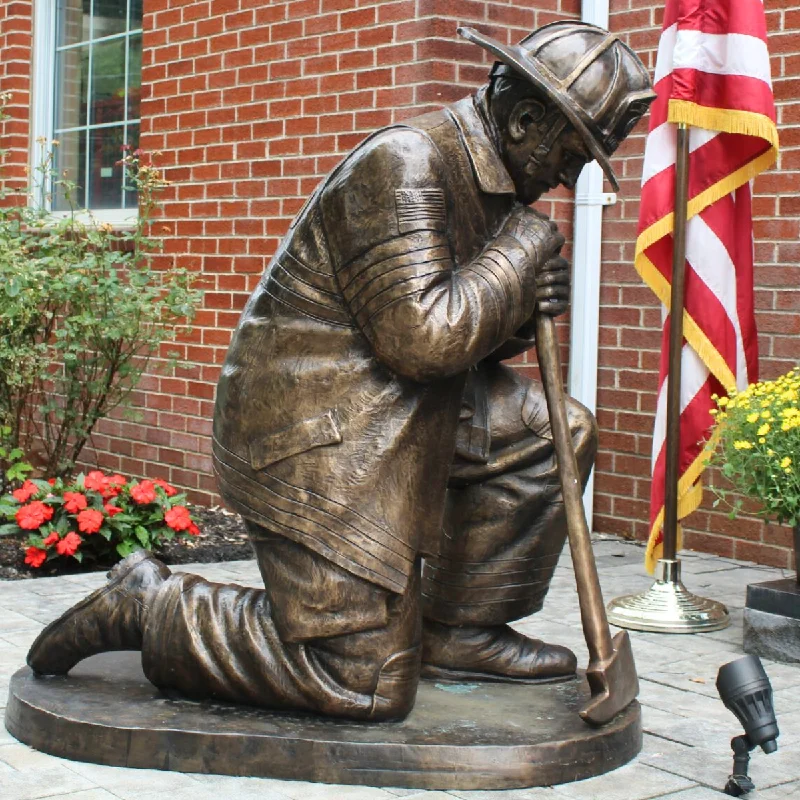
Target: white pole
(587,238)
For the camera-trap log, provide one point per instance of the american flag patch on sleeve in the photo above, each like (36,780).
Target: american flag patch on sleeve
(420,209)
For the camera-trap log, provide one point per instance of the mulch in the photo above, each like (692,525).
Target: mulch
(223,537)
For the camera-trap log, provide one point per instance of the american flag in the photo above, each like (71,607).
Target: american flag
(713,74)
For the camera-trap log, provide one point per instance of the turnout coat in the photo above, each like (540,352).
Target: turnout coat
(338,405)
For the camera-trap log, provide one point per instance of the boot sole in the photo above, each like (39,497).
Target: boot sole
(462,675)
(115,576)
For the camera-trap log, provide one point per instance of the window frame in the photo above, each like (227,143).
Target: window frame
(43,115)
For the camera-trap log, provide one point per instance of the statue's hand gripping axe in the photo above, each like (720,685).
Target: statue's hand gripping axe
(611,672)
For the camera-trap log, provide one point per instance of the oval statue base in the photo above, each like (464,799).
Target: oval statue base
(459,736)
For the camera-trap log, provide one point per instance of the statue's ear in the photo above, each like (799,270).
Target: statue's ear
(524,114)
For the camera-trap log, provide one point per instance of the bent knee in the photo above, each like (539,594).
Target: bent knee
(583,427)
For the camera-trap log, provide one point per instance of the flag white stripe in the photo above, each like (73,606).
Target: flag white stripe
(661,146)
(718,54)
(722,54)
(694,374)
(666,46)
(712,263)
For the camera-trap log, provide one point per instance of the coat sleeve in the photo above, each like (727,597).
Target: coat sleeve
(521,341)
(387,222)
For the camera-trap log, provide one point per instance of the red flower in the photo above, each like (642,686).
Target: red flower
(113,486)
(25,492)
(112,510)
(51,481)
(51,539)
(90,520)
(169,490)
(178,518)
(74,502)
(193,530)
(35,556)
(95,481)
(32,516)
(143,493)
(69,545)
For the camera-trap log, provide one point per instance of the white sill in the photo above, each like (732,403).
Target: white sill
(118,218)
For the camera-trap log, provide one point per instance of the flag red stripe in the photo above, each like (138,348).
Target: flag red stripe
(737,92)
(700,301)
(718,16)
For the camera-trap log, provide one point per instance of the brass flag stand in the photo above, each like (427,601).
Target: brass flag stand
(668,606)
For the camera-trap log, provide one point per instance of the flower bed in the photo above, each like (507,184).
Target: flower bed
(96,516)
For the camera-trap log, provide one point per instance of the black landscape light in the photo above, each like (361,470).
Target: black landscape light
(745,689)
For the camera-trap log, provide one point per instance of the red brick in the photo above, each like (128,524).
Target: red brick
(351,101)
(762,554)
(360,18)
(286,30)
(396,11)
(322,23)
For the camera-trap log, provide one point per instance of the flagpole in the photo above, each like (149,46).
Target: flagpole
(668,607)
(673,443)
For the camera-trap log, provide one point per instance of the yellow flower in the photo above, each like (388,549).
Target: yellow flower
(766,415)
(753,417)
(743,444)
(763,430)
(786,462)
(770,451)
(788,470)
(722,402)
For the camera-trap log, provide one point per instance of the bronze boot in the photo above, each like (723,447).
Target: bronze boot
(492,653)
(111,618)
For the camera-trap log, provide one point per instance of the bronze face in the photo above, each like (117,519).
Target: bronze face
(536,167)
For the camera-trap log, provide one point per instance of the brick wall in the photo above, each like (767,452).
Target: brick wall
(252,102)
(15,77)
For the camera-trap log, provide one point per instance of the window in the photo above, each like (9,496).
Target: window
(93,72)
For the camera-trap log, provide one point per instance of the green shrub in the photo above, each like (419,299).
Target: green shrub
(83,309)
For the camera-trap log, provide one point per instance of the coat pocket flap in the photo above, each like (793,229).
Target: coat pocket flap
(315,432)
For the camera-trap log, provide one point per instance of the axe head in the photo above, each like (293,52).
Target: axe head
(613,682)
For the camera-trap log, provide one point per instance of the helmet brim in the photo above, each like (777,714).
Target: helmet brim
(515,57)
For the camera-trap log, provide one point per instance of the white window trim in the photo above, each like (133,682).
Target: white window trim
(42,109)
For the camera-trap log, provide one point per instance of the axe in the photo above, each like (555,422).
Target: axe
(611,672)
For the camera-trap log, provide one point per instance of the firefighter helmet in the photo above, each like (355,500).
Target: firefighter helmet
(596,80)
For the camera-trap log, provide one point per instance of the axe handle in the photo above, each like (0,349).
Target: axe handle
(590,597)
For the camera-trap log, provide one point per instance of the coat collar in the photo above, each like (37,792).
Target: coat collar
(492,176)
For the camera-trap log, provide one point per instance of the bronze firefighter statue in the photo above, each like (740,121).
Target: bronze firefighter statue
(397,479)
